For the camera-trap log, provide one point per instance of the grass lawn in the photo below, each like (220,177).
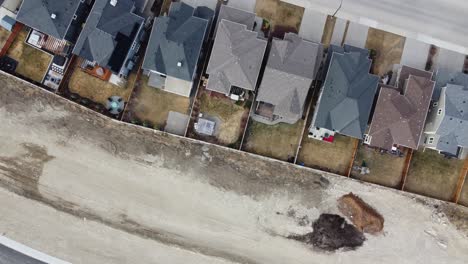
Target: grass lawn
(279,13)
(4,34)
(385,169)
(433,175)
(153,105)
(278,141)
(389,48)
(96,89)
(32,63)
(334,157)
(229,112)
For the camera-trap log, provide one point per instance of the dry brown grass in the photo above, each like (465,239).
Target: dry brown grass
(96,89)
(389,48)
(278,141)
(328,30)
(280,13)
(464,194)
(433,175)
(363,216)
(32,63)
(4,34)
(334,157)
(385,169)
(229,113)
(153,104)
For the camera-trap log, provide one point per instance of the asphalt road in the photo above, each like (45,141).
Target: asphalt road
(440,22)
(10,256)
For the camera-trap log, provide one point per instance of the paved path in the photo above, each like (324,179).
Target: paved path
(438,22)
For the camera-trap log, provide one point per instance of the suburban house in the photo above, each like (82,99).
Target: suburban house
(292,66)
(111,37)
(401,111)
(447,124)
(249,19)
(8,12)
(236,58)
(61,20)
(175,48)
(347,95)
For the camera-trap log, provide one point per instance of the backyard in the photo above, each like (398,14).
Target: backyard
(231,115)
(152,105)
(385,169)
(276,141)
(328,30)
(32,63)
(433,175)
(464,194)
(97,90)
(388,47)
(334,157)
(4,34)
(279,13)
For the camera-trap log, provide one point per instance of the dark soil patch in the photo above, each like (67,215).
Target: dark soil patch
(332,232)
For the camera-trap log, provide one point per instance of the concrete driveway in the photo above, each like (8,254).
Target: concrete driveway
(442,23)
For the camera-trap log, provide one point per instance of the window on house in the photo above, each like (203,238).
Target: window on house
(431,140)
(439,112)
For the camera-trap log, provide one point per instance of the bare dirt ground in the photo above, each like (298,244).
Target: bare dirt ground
(96,89)
(153,105)
(328,31)
(278,141)
(464,194)
(4,34)
(32,63)
(433,175)
(88,189)
(385,169)
(280,14)
(334,157)
(389,49)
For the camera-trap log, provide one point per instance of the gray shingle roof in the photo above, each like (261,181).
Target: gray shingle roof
(108,33)
(347,95)
(400,112)
(176,38)
(236,58)
(453,130)
(444,77)
(236,15)
(38,15)
(291,67)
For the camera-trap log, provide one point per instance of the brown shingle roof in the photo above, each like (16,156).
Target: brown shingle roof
(401,111)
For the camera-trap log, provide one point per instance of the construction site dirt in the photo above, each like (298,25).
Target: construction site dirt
(88,189)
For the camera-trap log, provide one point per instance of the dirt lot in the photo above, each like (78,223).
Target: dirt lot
(334,157)
(138,189)
(32,63)
(96,89)
(361,214)
(278,141)
(230,113)
(4,34)
(433,175)
(389,48)
(153,105)
(279,13)
(464,194)
(385,169)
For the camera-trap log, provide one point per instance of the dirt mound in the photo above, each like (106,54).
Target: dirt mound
(363,216)
(332,232)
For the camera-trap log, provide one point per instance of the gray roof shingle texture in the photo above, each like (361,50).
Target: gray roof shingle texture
(236,15)
(348,94)
(37,14)
(453,130)
(97,41)
(401,112)
(291,68)
(236,58)
(176,38)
